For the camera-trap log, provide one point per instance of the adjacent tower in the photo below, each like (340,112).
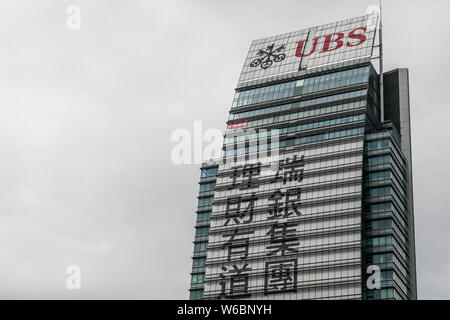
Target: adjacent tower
(313,196)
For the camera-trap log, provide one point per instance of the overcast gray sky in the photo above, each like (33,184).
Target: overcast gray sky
(86,116)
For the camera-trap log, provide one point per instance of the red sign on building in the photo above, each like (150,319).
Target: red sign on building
(237,125)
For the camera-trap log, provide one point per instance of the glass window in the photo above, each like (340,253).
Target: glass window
(209,172)
(197,277)
(200,246)
(204,216)
(201,231)
(205,201)
(196,294)
(207,186)
(198,262)
(308,85)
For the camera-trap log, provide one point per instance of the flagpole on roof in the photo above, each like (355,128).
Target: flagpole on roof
(381,65)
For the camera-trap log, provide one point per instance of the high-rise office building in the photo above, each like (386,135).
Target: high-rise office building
(313,196)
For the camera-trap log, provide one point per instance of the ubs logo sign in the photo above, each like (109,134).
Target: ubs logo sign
(321,45)
(268,56)
(334,41)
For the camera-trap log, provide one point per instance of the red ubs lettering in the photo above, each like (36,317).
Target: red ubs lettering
(333,42)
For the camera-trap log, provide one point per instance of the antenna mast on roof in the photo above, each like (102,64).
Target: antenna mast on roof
(381,66)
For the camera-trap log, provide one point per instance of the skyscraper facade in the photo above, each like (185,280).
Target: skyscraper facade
(312,198)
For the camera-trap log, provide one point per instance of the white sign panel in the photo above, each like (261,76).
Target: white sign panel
(317,47)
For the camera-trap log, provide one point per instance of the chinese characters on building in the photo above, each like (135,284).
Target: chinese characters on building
(280,241)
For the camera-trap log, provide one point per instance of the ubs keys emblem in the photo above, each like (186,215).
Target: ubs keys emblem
(268,56)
